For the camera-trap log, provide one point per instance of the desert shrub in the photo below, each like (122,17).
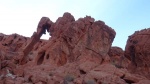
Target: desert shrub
(116,65)
(69,78)
(50,74)
(90,82)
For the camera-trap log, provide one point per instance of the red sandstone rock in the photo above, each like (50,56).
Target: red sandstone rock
(11,47)
(13,42)
(117,57)
(143,82)
(8,81)
(78,52)
(107,73)
(137,50)
(75,40)
(19,80)
(43,25)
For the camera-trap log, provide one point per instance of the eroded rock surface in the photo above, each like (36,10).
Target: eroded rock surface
(78,52)
(11,47)
(117,57)
(43,26)
(77,41)
(137,50)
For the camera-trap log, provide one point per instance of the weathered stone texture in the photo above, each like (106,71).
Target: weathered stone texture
(78,52)
(137,50)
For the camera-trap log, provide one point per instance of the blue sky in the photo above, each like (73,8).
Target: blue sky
(124,16)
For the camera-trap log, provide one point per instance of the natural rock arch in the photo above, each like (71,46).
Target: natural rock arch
(43,26)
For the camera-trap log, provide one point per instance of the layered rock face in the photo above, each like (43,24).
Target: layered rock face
(78,52)
(137,50)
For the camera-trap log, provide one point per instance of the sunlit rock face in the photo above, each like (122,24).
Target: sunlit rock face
(77,52)
(138,51)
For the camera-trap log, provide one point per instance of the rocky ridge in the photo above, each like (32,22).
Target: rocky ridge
(78,52)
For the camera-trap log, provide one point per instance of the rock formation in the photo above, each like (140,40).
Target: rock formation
(78,52)
(74,40)
(11,47)
(43,25)
(117,57)
(137,50)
